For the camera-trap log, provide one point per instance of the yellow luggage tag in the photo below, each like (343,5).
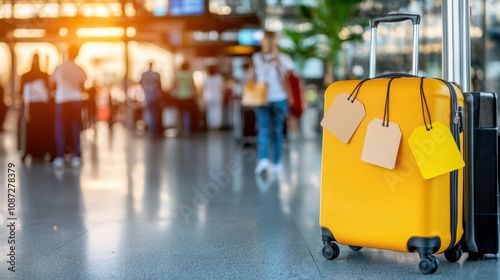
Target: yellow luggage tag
(433,146)
(382,140)
(435,150)
(344,115)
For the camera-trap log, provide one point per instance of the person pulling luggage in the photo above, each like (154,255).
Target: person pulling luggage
(68,79)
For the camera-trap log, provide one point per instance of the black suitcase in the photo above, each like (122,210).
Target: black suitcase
(481,175)
(249,135)
(38,132)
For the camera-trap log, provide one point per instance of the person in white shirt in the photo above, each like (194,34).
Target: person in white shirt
(271,67)
(68,79)
(213,91)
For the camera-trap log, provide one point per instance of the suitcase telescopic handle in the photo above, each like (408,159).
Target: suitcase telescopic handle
(395,17)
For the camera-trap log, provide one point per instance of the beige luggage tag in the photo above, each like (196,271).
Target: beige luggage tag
(381,144)
(344,115)
(433,146)
(382,140)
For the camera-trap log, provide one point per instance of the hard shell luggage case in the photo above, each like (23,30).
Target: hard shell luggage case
(364,205)
(249,126)
(481,175)
(37,133)
(237,118)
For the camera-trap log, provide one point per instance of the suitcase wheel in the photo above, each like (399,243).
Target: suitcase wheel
(429,264)
(355,248)
(331,251)
(454,254)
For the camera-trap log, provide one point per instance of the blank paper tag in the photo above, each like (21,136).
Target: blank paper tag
(343,117)
(381,144)
(435,150)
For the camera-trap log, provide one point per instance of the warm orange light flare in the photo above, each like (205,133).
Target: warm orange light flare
(100,32)
(29,33)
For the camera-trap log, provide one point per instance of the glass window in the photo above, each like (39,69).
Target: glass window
(491,71)
(226,7)
(100,10)
(26,10)
(187,7)
(175,7)
(5,11)
(69,10)
(157,7)
(52,9)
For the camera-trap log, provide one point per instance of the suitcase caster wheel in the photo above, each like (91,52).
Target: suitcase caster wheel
(436,264)
(355,248)
(454,254)
(331,251)
(428,265)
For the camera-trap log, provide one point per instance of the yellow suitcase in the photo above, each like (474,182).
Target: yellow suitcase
(365,205)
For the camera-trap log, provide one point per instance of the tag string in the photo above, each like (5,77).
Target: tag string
(423,103)
(385,121)
(354,93)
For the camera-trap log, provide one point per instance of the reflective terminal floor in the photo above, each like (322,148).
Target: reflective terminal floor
(183,208)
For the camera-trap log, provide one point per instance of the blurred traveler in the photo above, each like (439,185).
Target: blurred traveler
(249,73)
(185,92)
(91,105)
(3,108)
(68,79)
(213,90)
(151,84)
(36,118)
(271,67)
(245,127)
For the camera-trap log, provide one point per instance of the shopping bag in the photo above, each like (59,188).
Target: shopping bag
(254,94)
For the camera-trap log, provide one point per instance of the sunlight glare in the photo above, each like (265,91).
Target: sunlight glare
(100,32)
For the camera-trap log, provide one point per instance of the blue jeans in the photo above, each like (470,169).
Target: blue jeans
(270,123)
(68,115)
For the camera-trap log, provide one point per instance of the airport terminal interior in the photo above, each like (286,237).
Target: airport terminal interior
(191,206)
(178,208)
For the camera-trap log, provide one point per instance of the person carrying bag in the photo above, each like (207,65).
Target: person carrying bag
(271,68)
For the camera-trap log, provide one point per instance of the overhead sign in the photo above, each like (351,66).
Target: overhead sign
(250,37)
(187,7)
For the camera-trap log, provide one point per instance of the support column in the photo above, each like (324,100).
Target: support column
(465,63)
(129,105)
(451,41)
(12,15)
(13,74)
(125,79)
(456,42)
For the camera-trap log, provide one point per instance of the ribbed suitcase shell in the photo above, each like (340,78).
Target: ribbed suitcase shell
(370,206)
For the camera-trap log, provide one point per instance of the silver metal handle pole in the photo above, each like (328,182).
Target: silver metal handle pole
(416,31)
(373,52)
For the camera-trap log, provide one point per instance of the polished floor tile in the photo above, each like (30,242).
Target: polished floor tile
(184,208)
